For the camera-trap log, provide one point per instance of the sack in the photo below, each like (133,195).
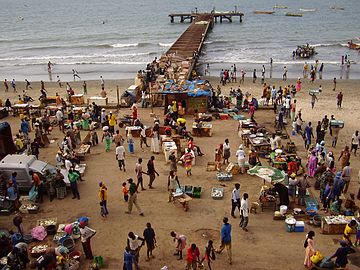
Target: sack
(212,255)
(316,258)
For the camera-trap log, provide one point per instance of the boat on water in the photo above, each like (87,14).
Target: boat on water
(307,9)
(264,12)
(279,7)
(304,51)
(290,14)
(337,8)
(353,46)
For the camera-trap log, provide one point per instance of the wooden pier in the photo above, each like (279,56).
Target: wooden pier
(217,16)
(180,60)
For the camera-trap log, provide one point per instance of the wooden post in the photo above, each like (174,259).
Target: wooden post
(240,18)
(221,18)
(117,96)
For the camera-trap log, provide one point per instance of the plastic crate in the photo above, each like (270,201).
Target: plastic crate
(224,176)
(215,189)
(290,228)
(196,192)
(299,226)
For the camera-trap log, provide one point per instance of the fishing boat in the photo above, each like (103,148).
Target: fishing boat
(293,14)
(279,7)
(304,51)
(307,9)
(353,46)
(337,8)
(264,12)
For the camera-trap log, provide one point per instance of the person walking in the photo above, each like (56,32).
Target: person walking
(6,85)
(309,249)
(120,156)
(235,199)
(209,255)
(139,174)
(346,176)
(355,139)
(85,88)
(225,239)
(27,85)
(133,197)
(13,85)
(102,83)
(143,136)
(73,179)
(150,240)
(134,247)
(226,151)
(36,181)
(103,196)
(339,99)
(193,257)
(244,212)
(151,171)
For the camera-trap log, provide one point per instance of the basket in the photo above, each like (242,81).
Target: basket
(75,255)
(61,192)
(69,244)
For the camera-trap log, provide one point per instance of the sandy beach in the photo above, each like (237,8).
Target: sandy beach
(267,245)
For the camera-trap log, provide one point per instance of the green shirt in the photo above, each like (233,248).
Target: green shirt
(73,177)
(132,188)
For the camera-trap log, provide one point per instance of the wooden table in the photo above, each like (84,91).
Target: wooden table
(334,228)
(183,200)
(260,147)
(82,151)
(204,130)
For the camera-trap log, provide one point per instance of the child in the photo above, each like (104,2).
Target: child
(209,254)
(357,242)
(125,191)
(103,213)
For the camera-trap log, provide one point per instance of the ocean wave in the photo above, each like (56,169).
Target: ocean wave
(262,62)
(329,45)
(120,45)
(49,57)
(89,63)
(166,44)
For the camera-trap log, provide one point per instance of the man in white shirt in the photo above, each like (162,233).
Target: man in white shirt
(355,142)
(68,164)
(134,246)
(103,119)
(235,199)
(120,156)
(244,212)
(60,119)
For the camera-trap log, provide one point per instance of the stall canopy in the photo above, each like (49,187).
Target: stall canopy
(268,173)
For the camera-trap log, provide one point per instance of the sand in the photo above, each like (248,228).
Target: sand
(266,246)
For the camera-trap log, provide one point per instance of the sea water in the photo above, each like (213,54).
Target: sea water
(115,38)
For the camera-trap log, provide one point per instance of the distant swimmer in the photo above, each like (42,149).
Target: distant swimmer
(49,64)
(75,74)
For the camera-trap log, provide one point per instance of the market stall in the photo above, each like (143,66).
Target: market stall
(201,129)
(334,224)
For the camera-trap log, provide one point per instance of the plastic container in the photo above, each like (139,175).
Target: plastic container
(299,226)
(283,210)
(16,238)
(69,244)
(196,192)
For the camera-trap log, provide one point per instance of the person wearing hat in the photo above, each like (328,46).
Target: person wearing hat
(240,154)
(293,182)
(107,136)
(133,197)
(86,234)
(112,122)
(103,196)
(103,119)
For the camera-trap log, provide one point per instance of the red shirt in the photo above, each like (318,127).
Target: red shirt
(36,179)
(193,254)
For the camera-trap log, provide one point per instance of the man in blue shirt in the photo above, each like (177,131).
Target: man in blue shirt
(225,239)
(24,127)
(308,135)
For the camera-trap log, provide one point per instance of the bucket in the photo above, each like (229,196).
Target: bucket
(283,209)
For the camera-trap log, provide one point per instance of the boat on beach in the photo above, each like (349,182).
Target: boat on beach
(290,14)
(263,12)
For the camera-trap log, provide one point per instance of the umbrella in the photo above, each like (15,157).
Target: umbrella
(268,173)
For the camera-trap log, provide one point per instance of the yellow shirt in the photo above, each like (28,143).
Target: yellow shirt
(112,120)
(181,121)
(347,232)
(19,144)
